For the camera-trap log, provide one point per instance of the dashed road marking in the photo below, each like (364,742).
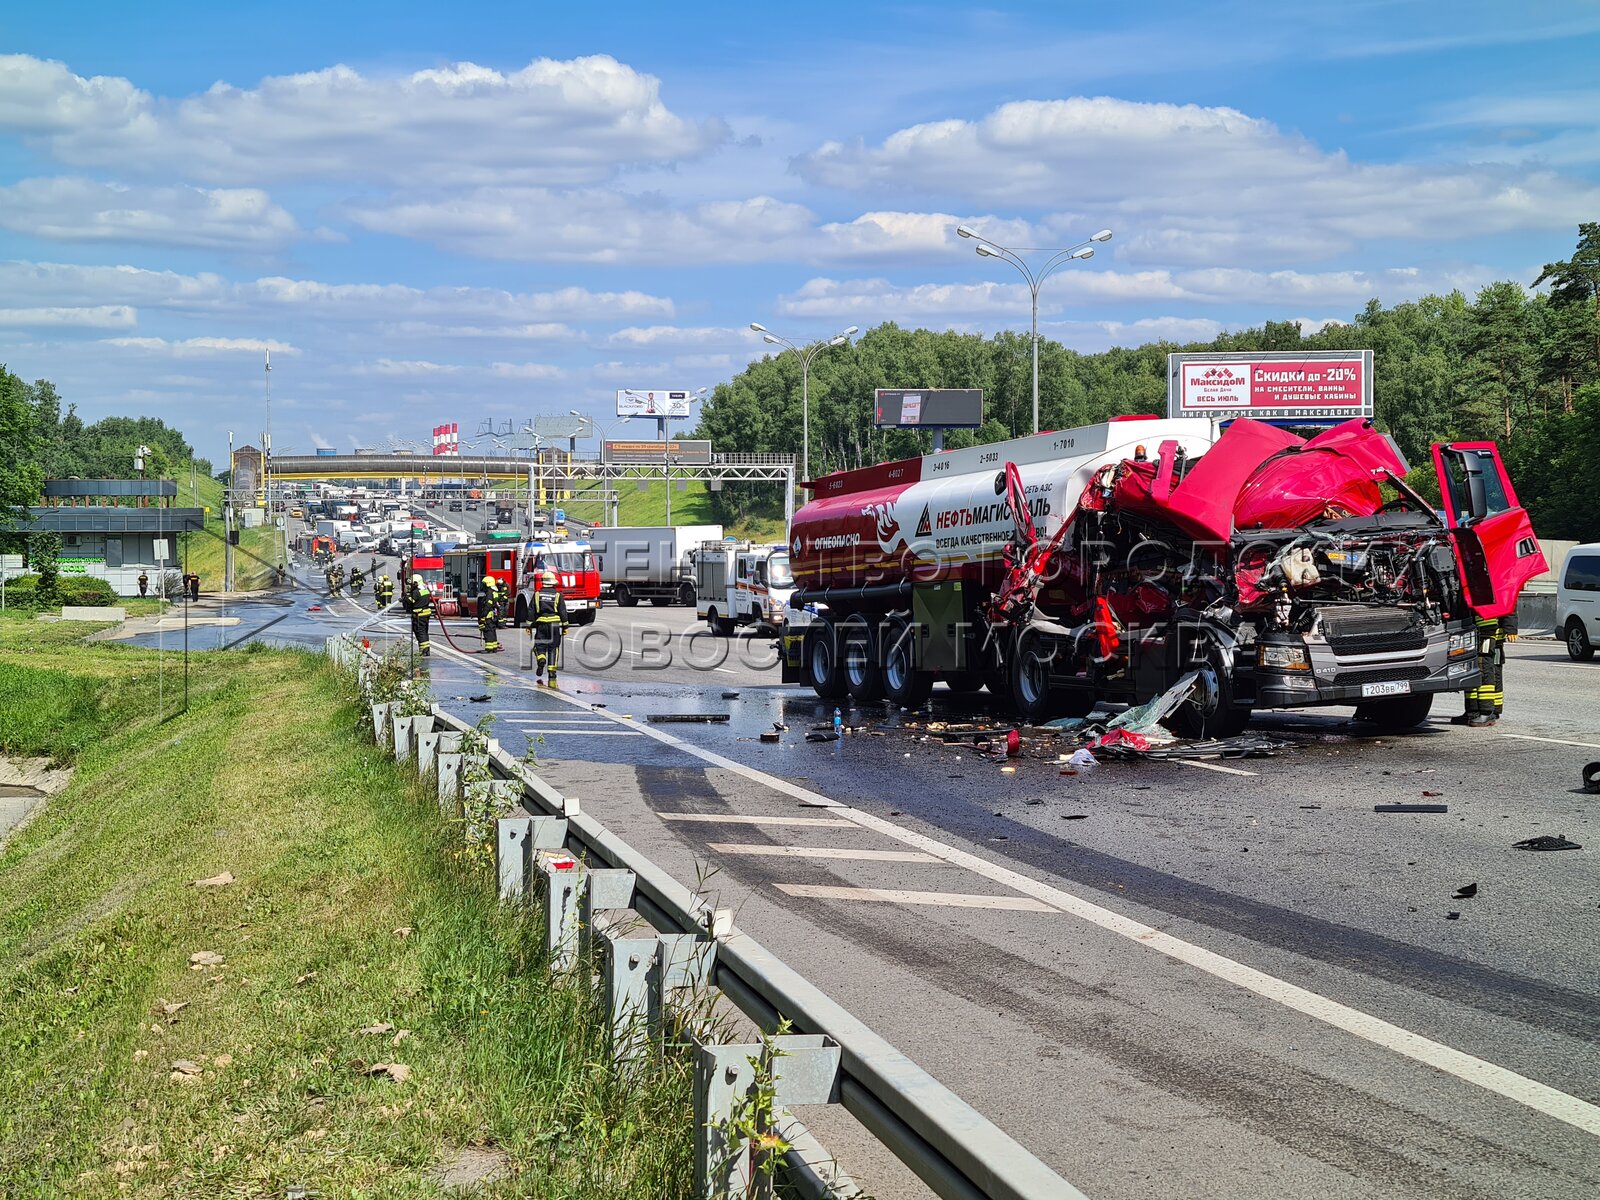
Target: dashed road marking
(1519,1089)
(739,819)
(1206,766)
(770,851)
(896,896)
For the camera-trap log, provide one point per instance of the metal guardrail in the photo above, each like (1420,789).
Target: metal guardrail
(952,1147)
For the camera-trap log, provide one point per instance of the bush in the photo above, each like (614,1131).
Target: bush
(23,592)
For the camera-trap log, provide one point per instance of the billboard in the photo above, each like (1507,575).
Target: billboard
(638,454)
(559,427)
(929,408)
(1299,387)
(657,402)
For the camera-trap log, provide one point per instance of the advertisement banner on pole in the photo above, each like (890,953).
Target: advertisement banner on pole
(679,454)
(1301,387)
(929,408)
(652,402)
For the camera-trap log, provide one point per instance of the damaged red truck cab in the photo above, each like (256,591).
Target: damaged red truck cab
(1111,562)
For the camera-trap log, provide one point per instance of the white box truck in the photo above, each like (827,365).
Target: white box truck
(741,583)
(650,562)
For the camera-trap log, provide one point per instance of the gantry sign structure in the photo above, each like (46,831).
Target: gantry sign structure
(426,469)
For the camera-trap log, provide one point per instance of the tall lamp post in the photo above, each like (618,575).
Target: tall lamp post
(1035,278)
(805,354)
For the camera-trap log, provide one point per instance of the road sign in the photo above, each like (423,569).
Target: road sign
(163,549)
(684,454)
(929,408)
(1299,387)
(652,402)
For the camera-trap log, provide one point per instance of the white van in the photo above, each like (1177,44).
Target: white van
(1578,601)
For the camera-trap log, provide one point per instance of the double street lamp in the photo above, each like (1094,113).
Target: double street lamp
(1035,278)
(805,354)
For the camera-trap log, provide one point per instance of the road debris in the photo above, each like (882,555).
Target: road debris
(1466,891)
(822,735)
(772,735)
(1546,841)
(1452,916)
(730,695)
(1591,778)
(688,718)
(483,699)
(1410,808)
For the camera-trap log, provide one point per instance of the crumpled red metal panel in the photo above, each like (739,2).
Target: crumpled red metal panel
(1202,505)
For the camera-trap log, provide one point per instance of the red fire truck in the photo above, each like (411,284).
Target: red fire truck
(576,576)
(464,569)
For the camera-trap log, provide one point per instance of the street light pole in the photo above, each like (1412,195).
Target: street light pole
(805,354)
(1057,258)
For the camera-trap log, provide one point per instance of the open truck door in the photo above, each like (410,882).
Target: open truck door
(1495,543)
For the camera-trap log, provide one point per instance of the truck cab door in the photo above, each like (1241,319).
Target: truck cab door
(1495,544)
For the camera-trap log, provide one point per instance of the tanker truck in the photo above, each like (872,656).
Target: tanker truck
(1115,562)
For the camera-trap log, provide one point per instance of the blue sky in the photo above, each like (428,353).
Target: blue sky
(499,210)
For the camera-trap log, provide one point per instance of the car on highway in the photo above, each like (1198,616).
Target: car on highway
(433,502)
(473,506)
(297,513)
(455,506)
(1578,601)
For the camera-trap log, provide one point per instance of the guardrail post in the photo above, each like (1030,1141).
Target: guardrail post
(513,857)
(380,722)
(800,1069)
(431,745)
(601,889)
(560,876)
(683,962)
(481,803)
(626,966)
(449,779)
(405,736)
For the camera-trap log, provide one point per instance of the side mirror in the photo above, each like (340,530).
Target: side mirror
(1477,494)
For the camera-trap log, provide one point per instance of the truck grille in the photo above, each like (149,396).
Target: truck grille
(1357,630)
(1380,675)
(1415,638)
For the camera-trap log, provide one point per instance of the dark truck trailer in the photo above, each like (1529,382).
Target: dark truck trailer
(1110,562)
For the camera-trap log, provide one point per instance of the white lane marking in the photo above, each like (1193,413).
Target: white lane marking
(761,848)
(1528,737)
(897,896)
(732,819)
(725,670)
(1205,766)
(570,732)
(1519,1089)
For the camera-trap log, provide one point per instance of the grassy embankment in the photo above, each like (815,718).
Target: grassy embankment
(257,554)
(649,507)
(352,909)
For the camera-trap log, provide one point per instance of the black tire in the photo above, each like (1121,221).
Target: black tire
(624,596)
(660,601)
(824,671)
(686,595)
(519,613)
(586,617)
(1397,712)
(1031,694)
(1210,712)
(1579,647)
(902,682)
(863,676)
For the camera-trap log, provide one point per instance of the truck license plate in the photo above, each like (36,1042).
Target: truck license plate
(1396,687)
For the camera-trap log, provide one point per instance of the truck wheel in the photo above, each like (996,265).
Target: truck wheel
(625,597)
(721,626)
(1031,694)
(1399,712)
(520,616)
(586,617)
(686,595)
(1579,647)
(824,672)
(660,601)
(1209,712)
(862,674)
(902,682)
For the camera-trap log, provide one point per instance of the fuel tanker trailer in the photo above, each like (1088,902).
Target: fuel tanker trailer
(1246,566)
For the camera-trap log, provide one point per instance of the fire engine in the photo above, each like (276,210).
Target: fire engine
(576,577)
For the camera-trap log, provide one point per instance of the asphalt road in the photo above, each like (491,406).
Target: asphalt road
(1225,980)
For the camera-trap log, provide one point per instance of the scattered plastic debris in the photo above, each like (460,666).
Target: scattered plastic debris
(688,718)
(1591,778)
(822,735)
(730,695)
(1547,841)
(771,735)
(1452,916)
(1410,808)
(1083,760)
(483,699)
(1466,891)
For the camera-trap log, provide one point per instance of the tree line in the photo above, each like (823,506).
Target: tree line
(1516,367)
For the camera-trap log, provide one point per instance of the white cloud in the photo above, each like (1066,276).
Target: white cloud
(526,370)
(552,122)
(405,368)
(1217,175)
(201,347)
(84,210)
(678,335)
(424,369)
(100,316)
(873,300)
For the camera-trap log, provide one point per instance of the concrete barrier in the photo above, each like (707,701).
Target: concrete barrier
(90,612)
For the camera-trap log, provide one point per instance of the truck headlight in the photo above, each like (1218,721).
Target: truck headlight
(1280,657)
(1462,643)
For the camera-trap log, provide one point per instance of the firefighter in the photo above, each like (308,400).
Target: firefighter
(1486,701)
(357,581)
(383,590)
(144,583)
(549,623)
(489,613)
(194,585)
(419,603)
(335,579)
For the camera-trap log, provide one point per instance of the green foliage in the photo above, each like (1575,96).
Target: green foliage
(23,592)
(1506,365)
(44,553)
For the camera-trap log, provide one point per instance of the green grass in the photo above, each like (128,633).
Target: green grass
(649,507)
(354,904)
(256,555)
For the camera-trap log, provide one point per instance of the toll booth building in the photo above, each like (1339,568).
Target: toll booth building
(113,529)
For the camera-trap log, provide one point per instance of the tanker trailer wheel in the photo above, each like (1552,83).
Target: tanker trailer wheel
(1209,712)
(823,670)
(1031,694)
(902,682)
(863,677)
